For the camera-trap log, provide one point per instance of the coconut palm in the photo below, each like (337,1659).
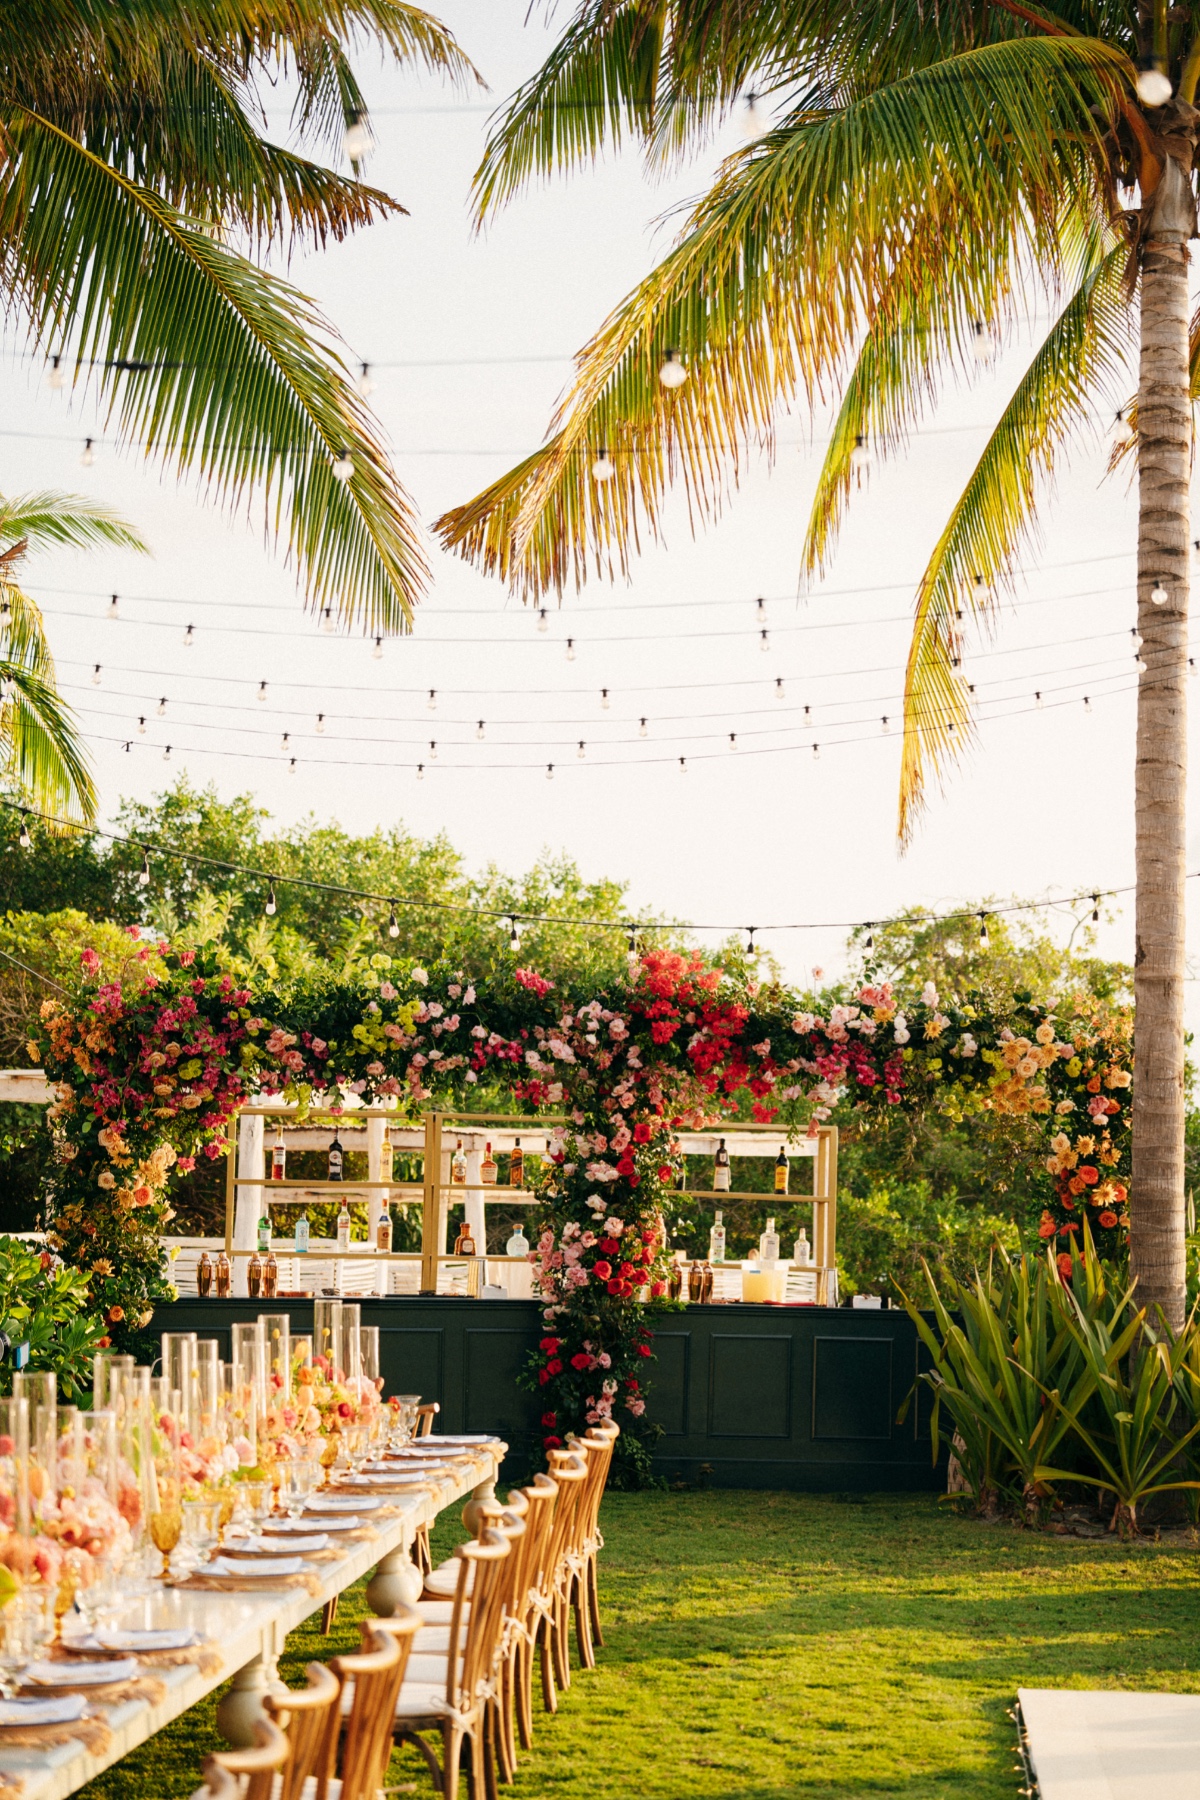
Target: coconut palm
(932,172)
(136,187)
(42,758)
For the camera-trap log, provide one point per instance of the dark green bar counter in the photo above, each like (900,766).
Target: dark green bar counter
(748,1396)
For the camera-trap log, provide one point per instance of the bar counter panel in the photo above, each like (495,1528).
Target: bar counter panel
(794,1397)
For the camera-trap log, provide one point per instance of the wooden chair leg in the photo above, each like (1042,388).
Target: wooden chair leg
(329,1614)
(562,1643)
(546,1646)
(583,1622)
(421,1553)
(593,1595)
(452,1739)
(523,1677)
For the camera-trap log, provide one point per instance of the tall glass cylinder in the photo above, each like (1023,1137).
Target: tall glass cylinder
(206,1409)
(14,1470)
(277,1336)
(165,1480)
(368,1339)
(107,1367)
(350,1346)
(39,1389)
(179,1367)
(327,1334)
(239,1408)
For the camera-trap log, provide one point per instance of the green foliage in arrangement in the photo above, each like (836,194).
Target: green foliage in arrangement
(47,1306)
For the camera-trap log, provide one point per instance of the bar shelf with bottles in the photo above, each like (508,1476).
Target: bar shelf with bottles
(806,1277)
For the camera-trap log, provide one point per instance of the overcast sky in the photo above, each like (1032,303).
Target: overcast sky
(468,338)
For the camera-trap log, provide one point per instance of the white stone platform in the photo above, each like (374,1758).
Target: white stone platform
(1110,1744)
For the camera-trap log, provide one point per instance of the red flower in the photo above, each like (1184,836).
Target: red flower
(103,1343)
(1108,1219)
(614,1288)
(665,1172)
(1065,1265)
(1089,1174)
(602,1270)
(553,1443)
(625,1166)
(1047,1227)
(626,1270)
(581,1360)
(543,1376)
(657,1289)
(554,1366)
(549,1344)
(549,1420)
(641,1133)
(608,1246)
(644,1350)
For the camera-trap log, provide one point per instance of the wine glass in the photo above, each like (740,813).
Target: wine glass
(166,1525)
(16,1644)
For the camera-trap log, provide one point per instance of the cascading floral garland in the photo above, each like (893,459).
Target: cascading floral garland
(149,1076)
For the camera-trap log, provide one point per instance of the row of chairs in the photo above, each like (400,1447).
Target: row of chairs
(453,1675)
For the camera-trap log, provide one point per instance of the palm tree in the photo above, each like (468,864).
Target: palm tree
(929,169)
(134,165)
(42,758)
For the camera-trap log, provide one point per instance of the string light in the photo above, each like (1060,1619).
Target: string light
(733,740)
(870,943)
(570,649)
(285,740)
(271,907)
(88,457)
(167,754)
(816,752)
(1158,593)
(1087,703)
(751,946)
(420,771)
(377,652)
(754,121)
(292,766)
(141,725)
(549,771)
(432,750)
(357,141)
(127,747)
(144,873)
(189,637)
(25,840)
(761,604)
(884,723)
(1095,909)
(327,619)
(979,591)
(631,939)
(581,753)
(604,468)
(1122,431)
(780,690)
(366,387)
(604,701)
(320,724)
(1037,699)
(984,940)
(161,708)
(982,345)
(479,732)
(343,466)
(541,624)
(764,641)
(393,922)
(56,379)
(114,611)
(673,372)
(683,768)
(431,703)
(262,690)
(643,728)
(514,933)
(860,456)
(96,675)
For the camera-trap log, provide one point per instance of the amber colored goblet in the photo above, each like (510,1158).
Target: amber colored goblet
(165,1528)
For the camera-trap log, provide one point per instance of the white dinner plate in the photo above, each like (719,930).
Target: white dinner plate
(253,1565)
(62,1711)
(302,1527)
(314,1541)
(180,1638)
(80,1674)
(341,1503)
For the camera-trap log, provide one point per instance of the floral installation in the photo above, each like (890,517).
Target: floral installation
(148,1080)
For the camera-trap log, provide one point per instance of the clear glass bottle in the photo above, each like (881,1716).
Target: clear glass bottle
(518,1243)
(335,1158)
(768,1245)
(343,1227)
(264,1230)
(302,1230)
(383,1230)
(458,1166)
(721,1169)
(516,1166)
(716,1239)
(802,1250)
(386,1155)
(781,1171)
(487,1168)
(278,1156)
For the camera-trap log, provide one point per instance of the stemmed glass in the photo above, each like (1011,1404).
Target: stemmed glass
(166,1503)
(16,1644)
(406,1418)
(297,1481)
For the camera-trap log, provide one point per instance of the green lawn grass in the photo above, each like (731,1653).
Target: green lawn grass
(768,1645)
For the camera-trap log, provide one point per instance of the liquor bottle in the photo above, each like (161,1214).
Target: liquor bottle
(487,1168)
(721,1169)
(335,1157)
(343,1228)
(768,1245)
(716,1239)
(223,1276)
(278,1156)
(458,1166)
(204,1275)
(802,1250)
(516,1166)
(781,1171)
(302,1235)
(464,1244)
(695,1283)
(706,1285)
(675,1280)
(264,1230)
(254,1277)
(386,1156)
(518,1243)
(270,1276)
(383,1230)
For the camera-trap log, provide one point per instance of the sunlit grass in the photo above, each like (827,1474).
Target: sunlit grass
(764,1645)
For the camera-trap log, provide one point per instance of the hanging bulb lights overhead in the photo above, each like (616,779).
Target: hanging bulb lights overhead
(479,731)
(320,724)
(643,728)
(1087,703)
(884,723)
(189,637)
(1095,909)
(764,641)
(751,946)
(570,649)
(979,591)
(780,691)
(1037,699)
(761,609)
(96,675)
(88,457)
(604,704)
(869,944)
(1153,83)
(141,725)
(393,922)
(432,750)
(144,872)
(541,618)
(420,771)
(1122,431)
(114,611)
(733,740)
(981,342)
(604,468)
(271,906)
(984,940)
(167,754)
(631,941)
(549,771)
(285,740)
(262,690)
(754,120)
(860,456)
(431,703)
(514,933)
(683,768)
(25,840)
(357,141)
(366,387)
(292,766)
(56,379)
(377,651)
(581,753)
(816,752)
(343,465)
(327,619)
(161,708)
(1158,593)
(673,372)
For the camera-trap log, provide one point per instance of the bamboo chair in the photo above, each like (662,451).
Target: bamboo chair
(584,1591)
(370,1682)
(422,1555)
(259,1766)
(569,1469)
(532,1596)
(457,1705)
(311,1719)
(218,1784)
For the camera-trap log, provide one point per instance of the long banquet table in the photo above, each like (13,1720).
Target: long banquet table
(247,1630)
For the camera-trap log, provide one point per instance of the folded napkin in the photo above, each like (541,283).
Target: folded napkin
(320,1503)
(178,1639)
(317,1540)
(81,1674)
(302,1527)
(252,1565)
(59,1711)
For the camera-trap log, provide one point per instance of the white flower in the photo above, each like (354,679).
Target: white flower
(421,977)
(901,1032)
(597,1203)
(469,997)
(929,995)
(613,1227)
(969,1046)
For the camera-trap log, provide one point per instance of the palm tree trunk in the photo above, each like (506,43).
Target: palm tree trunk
(1157,1252)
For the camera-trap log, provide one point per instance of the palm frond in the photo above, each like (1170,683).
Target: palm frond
(978,546)
(783,264)
(66,520)
(210,363)
(42,754)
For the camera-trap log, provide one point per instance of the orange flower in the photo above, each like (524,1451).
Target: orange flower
(1108,1219)
(1065,1265)
(115,1314)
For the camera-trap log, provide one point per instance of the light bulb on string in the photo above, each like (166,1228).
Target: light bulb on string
(96,675)
(1123,431)
(431,703)
(860,456)
(884,723)
(127,747)
(271,906)
(631,941)
(56,378)
(581,753)
(764,641)
(357,141)
(114,611)
(144,872)
(343,465)
(377,651)
(285,740)
(869,945)
(643,728)
(25,840)
(683,768)
(479,731)
(754,121)
(1087,703)
(751,946)
(1095,909)
(366,387)
(88,457)
(549,771)
(541,624)
(161,708)
(1158,594)
(816,752)
(761,607)
(979,591)
(142,725)
(321,724)
(432,750)
(570,649)
(514,933)
(189,637)
(167,754)
(393,926)
(262,690)
(327,619)
(420,771)
(292,766)
(808,715)
(780,692)
(604,703)
(981,344)
(604,468)
(673,372)
(1037,699)
(1153,83)
(733,740)
(984,940)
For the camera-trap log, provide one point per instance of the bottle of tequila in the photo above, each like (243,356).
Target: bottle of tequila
(487,1168)
(716,1239)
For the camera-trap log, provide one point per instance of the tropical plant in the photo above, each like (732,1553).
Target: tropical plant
(41,755)
(929,170)
(45,1305)
(134,163)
